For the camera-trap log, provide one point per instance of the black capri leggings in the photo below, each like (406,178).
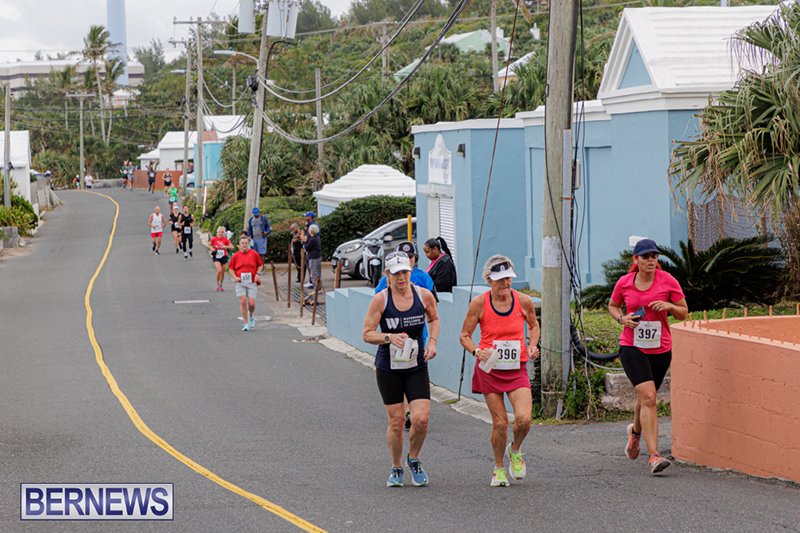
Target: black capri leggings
(641,367)
(187,237)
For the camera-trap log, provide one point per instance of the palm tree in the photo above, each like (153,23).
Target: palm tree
(747,146)
(96,46)
(114,68)
(64,82)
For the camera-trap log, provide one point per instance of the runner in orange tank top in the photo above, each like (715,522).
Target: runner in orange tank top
(500,361)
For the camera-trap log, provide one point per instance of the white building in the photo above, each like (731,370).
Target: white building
(366,180)
(18,73)
(20,161)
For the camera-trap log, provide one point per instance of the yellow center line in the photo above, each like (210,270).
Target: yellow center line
(145,429)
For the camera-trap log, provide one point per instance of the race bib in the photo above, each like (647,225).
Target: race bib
(402,359)
(647,334)
(246,277)
(187,229)
(220,254)
(508,352)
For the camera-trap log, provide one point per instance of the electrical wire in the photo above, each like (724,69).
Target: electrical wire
(288,136)
(355,76)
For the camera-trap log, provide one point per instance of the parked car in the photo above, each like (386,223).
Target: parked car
(351,253)
(380,242)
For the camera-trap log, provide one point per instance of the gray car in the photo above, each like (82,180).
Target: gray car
(351,253)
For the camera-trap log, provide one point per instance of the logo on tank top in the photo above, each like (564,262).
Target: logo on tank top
(392,323)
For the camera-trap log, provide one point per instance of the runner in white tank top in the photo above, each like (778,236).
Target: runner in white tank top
(156,223)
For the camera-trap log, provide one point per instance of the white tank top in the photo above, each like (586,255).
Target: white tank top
(157,223)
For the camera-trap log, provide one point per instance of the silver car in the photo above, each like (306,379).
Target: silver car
(349,254)
(387,237)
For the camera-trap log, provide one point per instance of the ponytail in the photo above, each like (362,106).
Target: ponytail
(443,246)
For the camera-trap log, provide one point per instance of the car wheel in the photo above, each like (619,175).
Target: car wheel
(357,271)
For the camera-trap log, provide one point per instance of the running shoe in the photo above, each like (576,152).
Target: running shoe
(418,476)
(516,466)
(221,288)
(408,420)
(657,463)
(246,327)
(632,448)
(499,478)
(190,254)
(252,322)
(177,250)
(157,253)
(309,285)
(395,477)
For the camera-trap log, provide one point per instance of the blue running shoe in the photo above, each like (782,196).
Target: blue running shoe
(418,476)
(246,327)
(395,477)
(252,322)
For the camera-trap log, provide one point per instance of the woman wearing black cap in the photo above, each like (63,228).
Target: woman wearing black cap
(442,269)
(649,295)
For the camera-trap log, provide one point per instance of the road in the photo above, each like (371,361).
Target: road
(288,421)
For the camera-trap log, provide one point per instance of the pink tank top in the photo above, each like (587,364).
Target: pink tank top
(506,326)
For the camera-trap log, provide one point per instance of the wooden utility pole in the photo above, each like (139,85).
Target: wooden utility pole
(7,150)
(253,183)
(556,348)
(495,63)
(187,111)
(320,145)
(200,127)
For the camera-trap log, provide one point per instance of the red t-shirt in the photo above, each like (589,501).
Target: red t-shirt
(664,288)
(243,262)
(219,243)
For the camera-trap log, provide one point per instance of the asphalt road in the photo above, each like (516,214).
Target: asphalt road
(287,420)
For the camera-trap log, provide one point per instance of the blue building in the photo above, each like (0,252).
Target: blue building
(664,66)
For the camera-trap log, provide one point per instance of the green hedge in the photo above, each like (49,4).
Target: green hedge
(361,215)
(20,217)
(280,210)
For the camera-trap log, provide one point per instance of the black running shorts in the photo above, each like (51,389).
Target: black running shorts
(394,385)
(220,260)
(641,367)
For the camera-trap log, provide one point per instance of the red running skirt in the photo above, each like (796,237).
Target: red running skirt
(499,381)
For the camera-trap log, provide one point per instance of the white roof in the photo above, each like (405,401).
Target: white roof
(226,125)
(173,140)
(20,148)
(684,50)
(367,180)
(152,154)
(516,64)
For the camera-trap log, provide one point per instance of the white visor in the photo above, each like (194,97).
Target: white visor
(398,262)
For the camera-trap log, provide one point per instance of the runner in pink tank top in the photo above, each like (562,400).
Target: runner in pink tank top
(500,361)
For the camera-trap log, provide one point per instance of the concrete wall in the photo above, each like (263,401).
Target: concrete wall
(506,226)
(346,310)
(735,396)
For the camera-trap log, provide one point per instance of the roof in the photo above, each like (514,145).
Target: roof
(367,180)
(152,154)
(20,148)
(516,64)
(174,139)
(485,37)
(682,50)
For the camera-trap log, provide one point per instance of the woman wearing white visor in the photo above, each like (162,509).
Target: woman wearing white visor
(500,359)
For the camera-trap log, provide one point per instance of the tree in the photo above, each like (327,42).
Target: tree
(96,46)
(151,57)
(314,16)
(114,68)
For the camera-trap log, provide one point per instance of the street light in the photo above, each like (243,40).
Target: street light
(233,53)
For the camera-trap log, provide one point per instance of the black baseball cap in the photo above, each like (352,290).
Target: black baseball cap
(408,248)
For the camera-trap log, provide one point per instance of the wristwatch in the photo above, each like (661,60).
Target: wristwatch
(619,319)
(475,352)
(386,339)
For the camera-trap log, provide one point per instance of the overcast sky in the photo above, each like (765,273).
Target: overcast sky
(54,26)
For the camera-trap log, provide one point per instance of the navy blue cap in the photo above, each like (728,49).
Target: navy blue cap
(408,248)
(256,211)
(309,214)
(645,246)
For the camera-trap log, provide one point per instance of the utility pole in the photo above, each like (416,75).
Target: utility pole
(320,146)
(198,164)
(7,151)
(253,183)
(187,112)
(81,97)
(493,29)
(556,348)
(233,88)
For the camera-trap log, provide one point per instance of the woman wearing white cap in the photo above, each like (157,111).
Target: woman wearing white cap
(649,295)
(500,360)
(401,363)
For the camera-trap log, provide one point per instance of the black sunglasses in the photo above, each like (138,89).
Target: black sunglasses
(500,267)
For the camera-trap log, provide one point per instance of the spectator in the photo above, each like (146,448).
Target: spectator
(313,245)
(257,229)
(442,269)
(296,247)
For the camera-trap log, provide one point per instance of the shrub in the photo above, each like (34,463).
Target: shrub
(361,215)
(731,272)
(20,217)
(280,210)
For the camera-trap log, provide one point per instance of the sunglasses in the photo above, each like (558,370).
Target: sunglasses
(501,267)
(651,255)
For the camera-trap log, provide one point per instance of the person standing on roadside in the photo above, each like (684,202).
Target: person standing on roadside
(258,229)
(313,247)
(187,232)
(442,269)
(219,247)
(649,296)
(500,359)
(156,223)
(175,226)
(401,362)
(245,265)
(296,248)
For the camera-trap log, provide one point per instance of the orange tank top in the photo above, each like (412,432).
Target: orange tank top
(508,326)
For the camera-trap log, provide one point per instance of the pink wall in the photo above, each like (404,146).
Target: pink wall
(736,398)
